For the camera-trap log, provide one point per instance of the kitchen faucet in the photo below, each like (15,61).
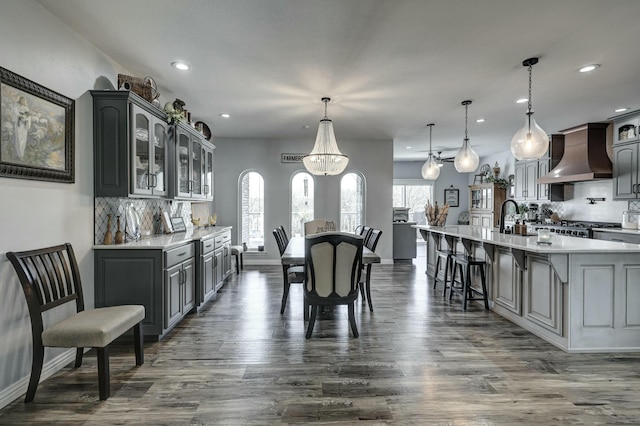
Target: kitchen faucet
(503,210)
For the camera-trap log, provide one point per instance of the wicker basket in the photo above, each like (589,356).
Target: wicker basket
(137,85)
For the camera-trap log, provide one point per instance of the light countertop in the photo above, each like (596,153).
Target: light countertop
(165,241)
(559,243)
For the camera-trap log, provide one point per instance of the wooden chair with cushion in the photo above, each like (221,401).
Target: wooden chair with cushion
(237,251)
(50,278)
(319,225)
(290,274)
(333,263)
(365,281)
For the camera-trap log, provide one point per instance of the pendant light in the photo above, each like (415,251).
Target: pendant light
(530,142)
(325,158)
(466,159)
(430,169)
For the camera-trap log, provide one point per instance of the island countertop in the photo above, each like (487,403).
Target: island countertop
(165,241)
(559,243)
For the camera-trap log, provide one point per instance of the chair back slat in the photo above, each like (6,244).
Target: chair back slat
(283,234)
(281,245)
(49,277)
(372,241)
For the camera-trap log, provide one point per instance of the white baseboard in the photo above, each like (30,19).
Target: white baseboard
(19,388)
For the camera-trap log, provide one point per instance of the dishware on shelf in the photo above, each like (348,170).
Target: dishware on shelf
(132,222)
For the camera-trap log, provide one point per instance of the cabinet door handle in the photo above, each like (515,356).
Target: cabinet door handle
(206,189)
(634,188)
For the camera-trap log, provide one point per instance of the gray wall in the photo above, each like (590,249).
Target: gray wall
(373,158)
(412,170)
(36,45)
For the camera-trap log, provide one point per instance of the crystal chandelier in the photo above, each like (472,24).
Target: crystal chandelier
(325,158)
(430,169)
(530,142)
(466,159)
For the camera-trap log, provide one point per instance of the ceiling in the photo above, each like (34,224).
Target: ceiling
(390,66)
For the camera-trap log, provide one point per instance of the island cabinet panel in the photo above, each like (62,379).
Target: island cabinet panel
(543,298)
(507,281)
(604,300)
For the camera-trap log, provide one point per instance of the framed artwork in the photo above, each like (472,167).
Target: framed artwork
(451,196)
(37,127)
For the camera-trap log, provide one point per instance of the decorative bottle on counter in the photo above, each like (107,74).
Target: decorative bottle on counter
(108,236)
(119,234)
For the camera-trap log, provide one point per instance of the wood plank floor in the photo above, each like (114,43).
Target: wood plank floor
(419,360)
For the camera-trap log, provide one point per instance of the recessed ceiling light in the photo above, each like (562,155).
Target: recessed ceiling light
(522,100)
(182,66)
(306,126)
(480,120)
(589,68)
(225,115)
(408,147)
(621,110)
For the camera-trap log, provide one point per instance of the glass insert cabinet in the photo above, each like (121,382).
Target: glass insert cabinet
(484,204)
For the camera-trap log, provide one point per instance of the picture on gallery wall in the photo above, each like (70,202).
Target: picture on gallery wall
(37,131)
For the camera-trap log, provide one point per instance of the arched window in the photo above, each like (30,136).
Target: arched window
(252,209)
(351,201)
(302,190)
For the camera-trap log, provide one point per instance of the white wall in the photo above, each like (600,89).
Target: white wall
(34,214)
(374,158)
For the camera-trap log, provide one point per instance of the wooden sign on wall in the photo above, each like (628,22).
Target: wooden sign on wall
(289,157)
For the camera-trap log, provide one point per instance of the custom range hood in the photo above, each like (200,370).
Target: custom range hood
(585,156)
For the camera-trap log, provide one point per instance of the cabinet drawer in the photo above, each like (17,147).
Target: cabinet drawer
(617,236)
(207,246)
(222,239)
(178,255)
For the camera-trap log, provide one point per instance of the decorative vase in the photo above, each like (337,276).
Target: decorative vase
(108,236)
(496,170)
(119,234)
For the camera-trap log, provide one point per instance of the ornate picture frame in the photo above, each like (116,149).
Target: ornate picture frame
(37,124)
(452,196)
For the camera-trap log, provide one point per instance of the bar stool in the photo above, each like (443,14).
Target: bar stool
(237,252)
(447,255)
(465,288)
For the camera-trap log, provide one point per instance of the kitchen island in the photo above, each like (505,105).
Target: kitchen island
(579,294)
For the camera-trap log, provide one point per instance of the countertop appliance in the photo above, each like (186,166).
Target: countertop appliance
(573,228)
(401,214)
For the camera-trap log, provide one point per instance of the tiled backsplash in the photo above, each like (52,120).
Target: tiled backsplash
(150,211)
(577,207)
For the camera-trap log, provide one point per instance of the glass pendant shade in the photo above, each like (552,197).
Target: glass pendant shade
(430,169)
(530,142)
(325,159)
(466,159)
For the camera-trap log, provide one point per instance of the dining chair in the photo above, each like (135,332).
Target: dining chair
(284,234)
(333,263)
(319,225)
(50,277)
(365,281)
(365,232)
(358,230)
(291,274)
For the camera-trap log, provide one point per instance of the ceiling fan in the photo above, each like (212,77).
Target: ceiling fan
(441,160)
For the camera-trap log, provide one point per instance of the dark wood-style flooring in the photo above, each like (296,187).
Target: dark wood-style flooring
(419,360)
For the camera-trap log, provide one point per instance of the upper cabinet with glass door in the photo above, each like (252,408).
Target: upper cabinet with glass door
(130,146)
(149,154)
(193,164)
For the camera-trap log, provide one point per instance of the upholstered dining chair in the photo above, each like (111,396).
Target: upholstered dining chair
(50,277)
(291,274)
(365,280)
(358,230)
(333,263)
(319,225)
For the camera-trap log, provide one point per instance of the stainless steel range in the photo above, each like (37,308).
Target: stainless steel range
(573,228)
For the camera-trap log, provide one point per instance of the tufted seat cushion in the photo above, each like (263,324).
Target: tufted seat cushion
(95,328)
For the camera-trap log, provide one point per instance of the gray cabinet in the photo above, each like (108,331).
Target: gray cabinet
(526,174)
(192,165)
(223,249)
(484,204)
(179,284)
(404,242)
(130,146)
(626,149)
(625,171)
(162,281)
(206,284)
(621,237)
